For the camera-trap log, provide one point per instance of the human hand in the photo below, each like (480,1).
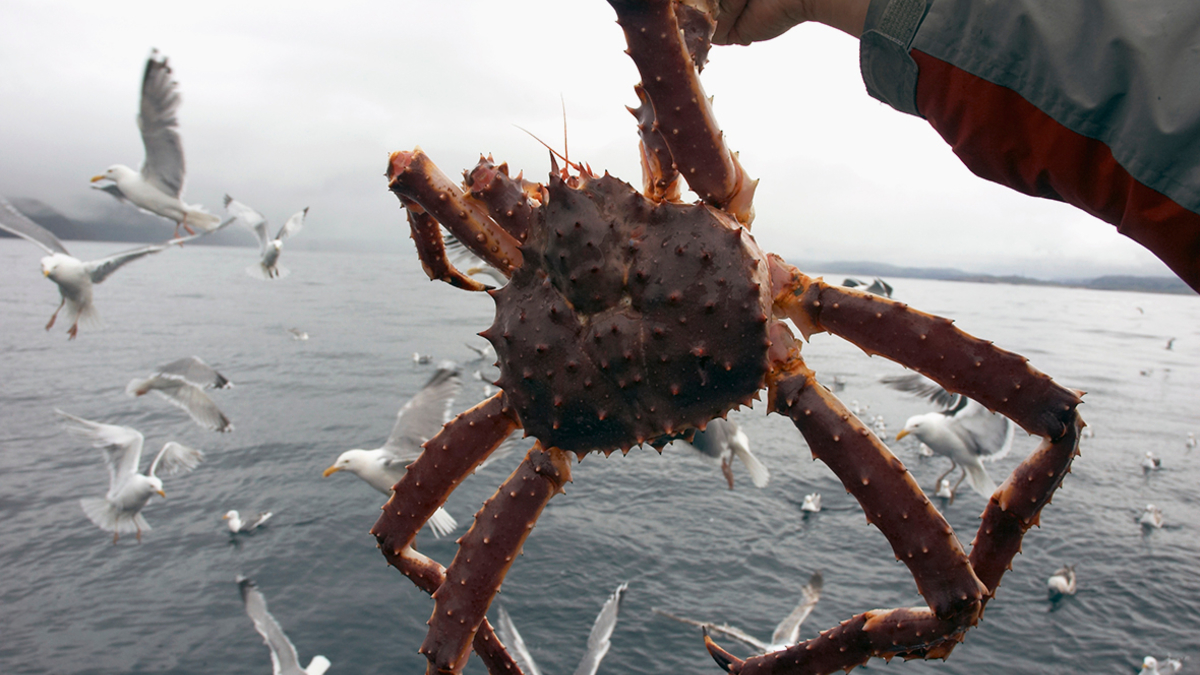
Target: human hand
(745,21)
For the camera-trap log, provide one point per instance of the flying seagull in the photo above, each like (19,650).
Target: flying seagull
(158,187)
(73,276)
(786,634)
(963,430)
(268,247)
(418,420)
(284,659)
(120,511)
(720,442)
(599,640)
(182,383)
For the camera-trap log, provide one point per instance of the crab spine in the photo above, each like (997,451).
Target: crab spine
(486,552)
(505,198)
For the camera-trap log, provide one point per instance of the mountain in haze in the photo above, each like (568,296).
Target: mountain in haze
(1101,283)
(118,222)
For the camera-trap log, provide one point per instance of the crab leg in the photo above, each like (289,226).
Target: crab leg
(431,249)
(428,574)
(412,176)
(1000,380)
(506,199)
(682,111)
(486,552)
(920,537)
(448,458)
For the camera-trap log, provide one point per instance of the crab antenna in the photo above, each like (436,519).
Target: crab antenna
(547,146)
(566,148)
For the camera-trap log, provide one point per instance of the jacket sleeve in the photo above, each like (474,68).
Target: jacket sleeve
(1091,102)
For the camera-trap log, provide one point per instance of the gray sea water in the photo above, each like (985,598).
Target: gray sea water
(73,603)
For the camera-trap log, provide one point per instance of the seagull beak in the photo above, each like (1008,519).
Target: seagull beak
(96,178)
(902,434)
(225,517)
(330,471)
(161,493)
(46,273)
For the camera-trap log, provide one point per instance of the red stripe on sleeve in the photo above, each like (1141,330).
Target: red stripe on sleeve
(1002,137)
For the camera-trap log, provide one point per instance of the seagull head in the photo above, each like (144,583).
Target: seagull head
(350,460)
(156,485)
(114,173)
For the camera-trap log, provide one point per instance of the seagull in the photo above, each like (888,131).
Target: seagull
(284,659)
(812,503)
(1191,440)
(944,490)
(158,188)
(1061,583)
(298,334)
(1150,462)
(120,511)
(486,352)
(74,277)
(421,359)
(720,442)
(599,640)
(418,420)
(1152,517)
(268,248)
(236,525)
(1151,666)
(964,430)
(182,383)
(786,634)
(877,287)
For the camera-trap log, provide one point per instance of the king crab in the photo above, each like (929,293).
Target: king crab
(631,317)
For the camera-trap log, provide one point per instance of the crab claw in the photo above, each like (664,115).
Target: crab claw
(728,662)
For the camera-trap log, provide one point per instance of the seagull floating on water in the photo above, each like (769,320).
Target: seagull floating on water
(182,383)
(418,420)
(598,643)
(812,503)
(158,188)
(1061,583)
(120,511)
(1191,440)
(1150,462)
(786,634)
(1152,517)
(284,659)
(268,248)
(233,520)
(720,442)
(944,490)
(964,431)
(298,334)
(73,276)
(1152,666)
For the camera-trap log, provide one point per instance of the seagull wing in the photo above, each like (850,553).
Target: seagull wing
(284,660)
(916,383)
(163,167)
(512,639)
(714,440)
(197,372)
(788,630)
(175,459)
(248,218)
(192,399)
(99,270)
(599,640)
(424,414)
(988,435)
(19,224)
(293,224)
(726,630)
(122,446)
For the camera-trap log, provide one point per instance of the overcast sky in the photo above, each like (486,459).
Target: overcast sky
(287,105)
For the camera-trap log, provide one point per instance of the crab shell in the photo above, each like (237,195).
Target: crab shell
(629,320)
